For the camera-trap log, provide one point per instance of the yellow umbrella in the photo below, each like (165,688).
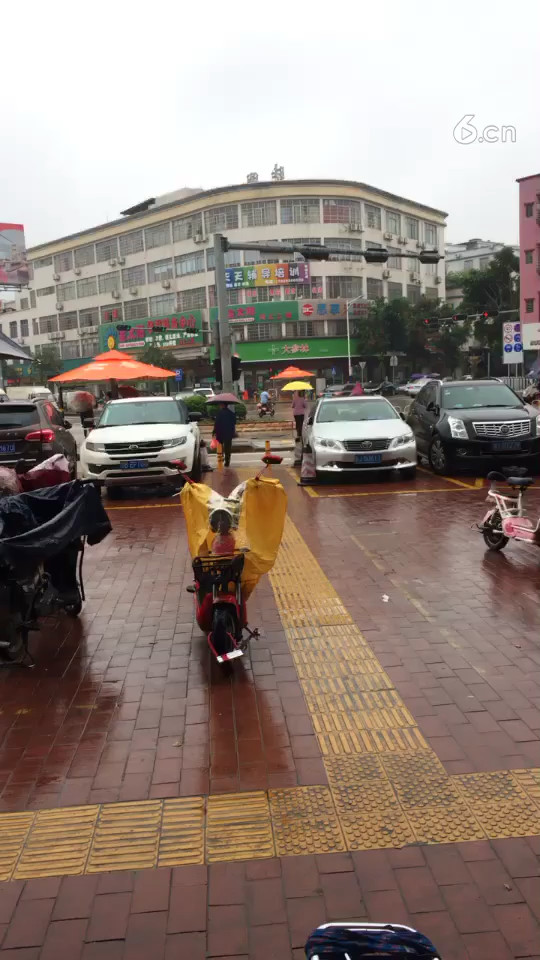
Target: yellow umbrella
(297,385)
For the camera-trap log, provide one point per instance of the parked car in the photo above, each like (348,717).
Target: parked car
(142,441)
(206,392)
(41,393)
(359,434)
(32,430)
(413,387)
(475,423)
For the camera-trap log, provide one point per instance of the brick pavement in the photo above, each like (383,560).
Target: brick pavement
(128,688)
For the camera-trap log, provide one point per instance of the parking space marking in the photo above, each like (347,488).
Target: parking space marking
(394,493)
(458,483)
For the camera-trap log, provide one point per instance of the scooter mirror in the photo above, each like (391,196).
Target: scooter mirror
(376,941)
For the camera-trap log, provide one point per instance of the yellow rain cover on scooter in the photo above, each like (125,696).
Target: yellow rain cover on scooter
(194,498)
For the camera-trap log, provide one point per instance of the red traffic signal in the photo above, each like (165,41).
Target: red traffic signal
(426,321)
(457,317)
(489,313)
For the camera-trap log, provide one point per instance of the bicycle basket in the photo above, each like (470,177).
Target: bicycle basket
(218,571)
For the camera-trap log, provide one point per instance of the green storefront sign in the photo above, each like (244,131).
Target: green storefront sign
(176,330)
(300,350)
(278,312)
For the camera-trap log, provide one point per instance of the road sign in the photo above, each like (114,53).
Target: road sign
(512,342)
(178,375)
(334,371)
(393,361)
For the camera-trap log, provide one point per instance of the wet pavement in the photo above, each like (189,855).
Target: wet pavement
(385,580)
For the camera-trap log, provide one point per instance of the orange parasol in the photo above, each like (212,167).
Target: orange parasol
(292,373)
(113,365)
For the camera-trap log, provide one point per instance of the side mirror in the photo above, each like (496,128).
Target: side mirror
(402,414)
(68,425)
(194,416)
(310,421)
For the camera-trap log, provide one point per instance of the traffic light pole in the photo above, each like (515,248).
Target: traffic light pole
(222,335)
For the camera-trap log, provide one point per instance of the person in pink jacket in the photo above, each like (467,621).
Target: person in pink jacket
(299,409)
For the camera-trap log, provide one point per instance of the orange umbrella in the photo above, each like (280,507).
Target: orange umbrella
(292,373)
(113,365)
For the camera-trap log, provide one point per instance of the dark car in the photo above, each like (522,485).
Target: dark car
(474,423)
(33,430)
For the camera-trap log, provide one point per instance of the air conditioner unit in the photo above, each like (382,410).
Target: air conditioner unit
(56,276)
(57,335)
(402,239)
(438,279)
(115,294)
(21,341)
(166,284)
(59,306)
(388,236)
(200,237)
(121,260)
(133,291)
(77,271)
(356,228)
(386,274)
(113,262)
(420,245)
(86,331)
(414,276)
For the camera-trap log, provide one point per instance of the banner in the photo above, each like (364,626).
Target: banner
(174,331)
(13,263)
(267,312)
(512,342)
(267,275)
(300,350)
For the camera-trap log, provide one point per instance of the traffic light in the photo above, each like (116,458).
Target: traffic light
(375,255)
(314,253)
(236,365)
(427,321)
(429,256)
(217,369)
(459,317)
(492,312)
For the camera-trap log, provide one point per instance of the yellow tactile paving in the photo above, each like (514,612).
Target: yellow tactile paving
(305,821)
(239,827)
(182,832)
(126,836)
(14,829)
(58,843)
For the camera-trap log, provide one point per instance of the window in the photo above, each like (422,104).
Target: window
(24,328)
(160,270)
(529,209)
(110,281)
(394,263)
(529,305)
(373,216)
(35,327)
(194,299)
(340,211)
(413,293)
(336,328)
(233,296)
(431,293)
(344,287)
(45,291)
(24,303)
(63,262)
(353,246)
(428,394)
(83,256)
(430,269)
(528,259)
(107,250)
(411,227)
(187,227)
(143,411)
(32,298)
(134,276)
(374,288)
(87,287)
(13,328)
(164,303)
(393,222)
(264,331)
(42,262)
(260,213)
(89,317)
(136,309)
(158,236)
(263,294)
(233,258)
(189,263)
(48,324)
(430,234)
(71,349)
(468,264)
(113,313)
(131,243)
(66,291)
(90,347)
(221,218)
(300,211)
(304,291)
(304,328)
(68,321)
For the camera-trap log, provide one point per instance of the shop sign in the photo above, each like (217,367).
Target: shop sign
(266,275)
(176,330)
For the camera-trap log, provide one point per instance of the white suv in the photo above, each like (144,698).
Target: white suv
(142,440)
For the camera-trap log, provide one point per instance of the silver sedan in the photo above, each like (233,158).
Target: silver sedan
(359,434)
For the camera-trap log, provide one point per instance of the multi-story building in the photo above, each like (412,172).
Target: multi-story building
(473,254)
(155,267)
(529,268)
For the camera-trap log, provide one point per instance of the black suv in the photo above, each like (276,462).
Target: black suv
(32,430)
(476,423)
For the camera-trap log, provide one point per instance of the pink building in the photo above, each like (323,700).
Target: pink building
(529,245)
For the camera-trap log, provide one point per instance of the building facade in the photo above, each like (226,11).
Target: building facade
(529,267)
(152,272)
(473,254)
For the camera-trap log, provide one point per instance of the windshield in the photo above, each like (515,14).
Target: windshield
(150,411)
(464,397)
(351,411)
(22,416)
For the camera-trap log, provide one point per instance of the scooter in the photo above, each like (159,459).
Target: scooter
(264,409)
(225,572)
(368,941)
(506,520)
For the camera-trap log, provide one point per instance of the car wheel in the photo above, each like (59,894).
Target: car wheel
(409,473)
(438,457)
(113,493)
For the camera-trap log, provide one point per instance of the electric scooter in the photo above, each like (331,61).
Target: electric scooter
(506,520)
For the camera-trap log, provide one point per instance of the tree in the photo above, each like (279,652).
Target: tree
(47,363)
(495,288)
(152,355)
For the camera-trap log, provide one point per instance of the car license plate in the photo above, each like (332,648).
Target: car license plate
(7,448)
(368,458)
(502,445)
(135,465)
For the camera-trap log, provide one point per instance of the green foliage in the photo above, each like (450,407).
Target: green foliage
(496,287)
(198,404)
(152,355)
(47,363)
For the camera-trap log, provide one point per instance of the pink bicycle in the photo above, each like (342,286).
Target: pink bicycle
(506,519)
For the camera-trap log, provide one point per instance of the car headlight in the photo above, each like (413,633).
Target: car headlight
(402,440)
(97,447)
(175,442)
(457,429)
(331,444)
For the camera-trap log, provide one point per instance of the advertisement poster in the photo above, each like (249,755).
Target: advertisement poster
(266,275)
(13,263)
(175,330)
(512,345)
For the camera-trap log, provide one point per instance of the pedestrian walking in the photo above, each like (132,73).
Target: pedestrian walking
(225,429)
(299,409)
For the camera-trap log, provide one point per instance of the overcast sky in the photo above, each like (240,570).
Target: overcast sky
(105,104)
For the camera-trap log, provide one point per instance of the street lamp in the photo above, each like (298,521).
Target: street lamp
(349,304)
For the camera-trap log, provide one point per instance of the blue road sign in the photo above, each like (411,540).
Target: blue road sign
(518,347)
(178,374)
(508,348)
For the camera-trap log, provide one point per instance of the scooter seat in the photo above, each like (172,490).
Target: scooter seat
(519,481)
